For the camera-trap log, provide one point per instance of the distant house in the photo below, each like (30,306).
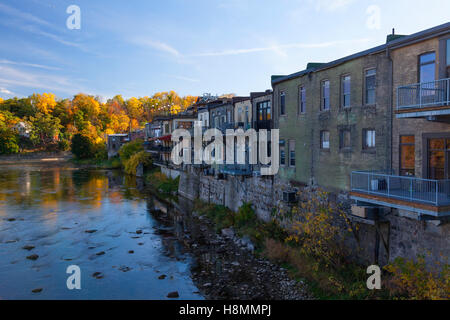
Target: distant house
(115,142)
(23,129)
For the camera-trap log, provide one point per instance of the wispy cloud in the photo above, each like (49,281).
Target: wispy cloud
(10,76)
(331,5)
(183,78)
(6,91)
(157,45)
(25,64)
(278,48)
(22,15)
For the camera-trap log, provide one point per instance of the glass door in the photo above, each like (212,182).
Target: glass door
(438,158)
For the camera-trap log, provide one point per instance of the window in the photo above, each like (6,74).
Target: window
(282,154)
(325,105)
(345,141)
(302,100)
(325,140)
(448,52)
(370,85)
(368,138)
(282,103)
(264,111)
(228,116)
(346,86)
(292,153)
(407,156)
(427,70)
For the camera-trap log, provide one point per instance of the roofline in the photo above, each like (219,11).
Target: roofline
(395,44)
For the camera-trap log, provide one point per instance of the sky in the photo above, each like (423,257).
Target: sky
(140,47)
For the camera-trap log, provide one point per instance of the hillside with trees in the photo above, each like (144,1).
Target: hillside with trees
(42,122)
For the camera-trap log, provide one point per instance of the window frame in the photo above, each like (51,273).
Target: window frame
(301,99)
(282,103)
(400,153)
(323,99)
(343,93)
(290,144)
(322,140)
(422,64)
(342,139)
(365,146)
(366,89)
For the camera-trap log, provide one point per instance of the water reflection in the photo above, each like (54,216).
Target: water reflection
(52,208)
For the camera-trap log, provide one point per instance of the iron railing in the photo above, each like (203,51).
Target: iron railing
(236,169)
(435,192)
(425,94)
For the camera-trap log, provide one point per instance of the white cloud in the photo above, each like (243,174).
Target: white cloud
(25,64)
(279,48)
(331,5)
(23,15)
(10,76)
(6,91)
(157,45)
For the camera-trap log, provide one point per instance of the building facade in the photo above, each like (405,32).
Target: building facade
(334,118)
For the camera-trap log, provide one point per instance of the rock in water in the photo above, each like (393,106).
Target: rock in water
(173,295)
(37,290)
(33,257)
(29,248)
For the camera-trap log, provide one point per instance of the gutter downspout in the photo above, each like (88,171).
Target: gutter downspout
(391,112)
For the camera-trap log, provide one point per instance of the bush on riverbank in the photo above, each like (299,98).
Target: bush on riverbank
(131,148)
(161,183)
(348,281)
(412,280)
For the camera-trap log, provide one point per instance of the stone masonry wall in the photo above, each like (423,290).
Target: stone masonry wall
(399,235)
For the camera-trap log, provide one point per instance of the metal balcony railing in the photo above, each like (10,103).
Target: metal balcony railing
(434,192)
(235,169)
(425,94)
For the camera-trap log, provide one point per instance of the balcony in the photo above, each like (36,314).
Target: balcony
(426,99)
(423,196)
(236,169)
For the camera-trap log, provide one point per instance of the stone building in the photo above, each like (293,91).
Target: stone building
(262,110)
(334,118)
(373,129)
(242,112)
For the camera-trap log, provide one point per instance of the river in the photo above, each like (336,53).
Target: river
(96,220)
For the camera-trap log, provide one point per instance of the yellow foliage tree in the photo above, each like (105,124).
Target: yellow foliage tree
(45,102)
(135,108)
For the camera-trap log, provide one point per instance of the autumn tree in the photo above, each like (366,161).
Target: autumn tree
(44,103)
(45,129)
(87,105)
(135,108)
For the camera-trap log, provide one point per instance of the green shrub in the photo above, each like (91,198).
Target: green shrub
(64,145)
(9,142)
(82,147)
(100,152)
(131,148)
(245,215)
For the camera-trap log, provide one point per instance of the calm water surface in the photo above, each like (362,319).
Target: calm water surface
(51,208)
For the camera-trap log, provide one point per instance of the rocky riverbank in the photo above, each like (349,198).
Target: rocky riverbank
(225,266)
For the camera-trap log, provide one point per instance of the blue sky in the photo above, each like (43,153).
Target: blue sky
(139,47)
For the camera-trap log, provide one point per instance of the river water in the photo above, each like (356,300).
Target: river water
(96,220)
